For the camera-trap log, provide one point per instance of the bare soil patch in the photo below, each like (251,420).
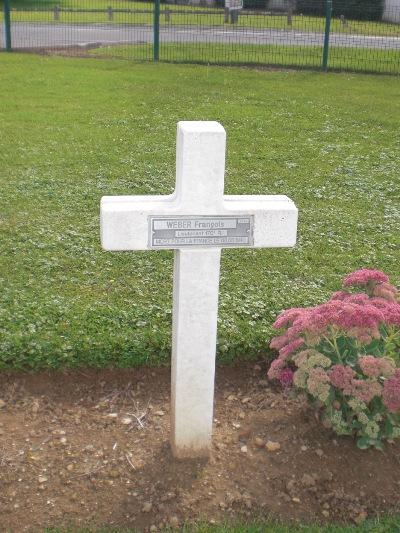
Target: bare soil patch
(90,448)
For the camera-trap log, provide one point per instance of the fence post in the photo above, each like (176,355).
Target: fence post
(226,15)
(7,25)
(328,17)
(290,13)
(156,28)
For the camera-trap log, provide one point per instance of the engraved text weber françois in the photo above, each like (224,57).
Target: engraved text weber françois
(218,231)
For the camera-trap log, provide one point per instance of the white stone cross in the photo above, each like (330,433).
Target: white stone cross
(197,220)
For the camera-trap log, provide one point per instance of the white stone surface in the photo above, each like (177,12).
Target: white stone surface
(196,281)
(391,11)
(200,166)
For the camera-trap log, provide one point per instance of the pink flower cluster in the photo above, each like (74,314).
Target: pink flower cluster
(374,282)
(391,392)
(286,377)
(374,367)
(365,391)
(358,315)
(364,277)
(276,368)
(285,350)
(389,309)
(359,319)
(386,291)
(342,378)
(318,384)
(279,371)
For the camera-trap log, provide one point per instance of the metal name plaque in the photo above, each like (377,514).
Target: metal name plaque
(217,231)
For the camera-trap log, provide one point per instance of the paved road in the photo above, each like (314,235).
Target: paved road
(41,35)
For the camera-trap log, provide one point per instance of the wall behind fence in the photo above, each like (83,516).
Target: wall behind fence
(356,35)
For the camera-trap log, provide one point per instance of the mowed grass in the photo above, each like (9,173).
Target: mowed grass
(84,11)
(73,130)
(380,525)
(383,525)
(340,58)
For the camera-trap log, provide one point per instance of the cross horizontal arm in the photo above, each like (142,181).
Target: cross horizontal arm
(125,219)
(275,218)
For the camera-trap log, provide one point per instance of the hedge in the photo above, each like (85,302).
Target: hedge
(350,9)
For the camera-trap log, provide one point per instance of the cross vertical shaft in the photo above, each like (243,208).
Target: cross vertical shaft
(196,283)
(200,168)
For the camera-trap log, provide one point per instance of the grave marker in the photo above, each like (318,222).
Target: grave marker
(197,221)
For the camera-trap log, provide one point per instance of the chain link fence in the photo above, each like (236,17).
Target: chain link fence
(354,35)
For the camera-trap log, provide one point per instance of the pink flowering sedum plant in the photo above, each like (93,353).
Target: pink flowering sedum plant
(345,356)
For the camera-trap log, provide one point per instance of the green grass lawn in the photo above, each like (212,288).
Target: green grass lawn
(43,11)
(73,130)
(382,525)
(385,525)
(340,58)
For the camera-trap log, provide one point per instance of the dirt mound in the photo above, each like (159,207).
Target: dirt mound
(91,448)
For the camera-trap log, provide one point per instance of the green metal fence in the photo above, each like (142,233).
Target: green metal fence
(319,34)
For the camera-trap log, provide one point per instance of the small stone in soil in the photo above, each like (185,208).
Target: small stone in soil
(360,518)
(290,485)
(147,507)
(260,443)
(272,446)
(308,480)
(159,413)
(126,421)
(244,434)
(243,449)
(174,521)
(2,404)
(42,479)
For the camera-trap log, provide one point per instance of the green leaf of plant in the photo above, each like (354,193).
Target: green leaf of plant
(363,443)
